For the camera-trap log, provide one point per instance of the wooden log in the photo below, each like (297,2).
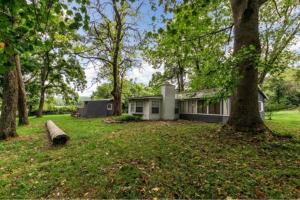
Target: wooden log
(57,136)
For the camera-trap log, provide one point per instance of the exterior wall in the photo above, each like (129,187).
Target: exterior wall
(96,109)
(146,110)
(188,111)
(203,118)
(154,116)
(168,102)
(132,109)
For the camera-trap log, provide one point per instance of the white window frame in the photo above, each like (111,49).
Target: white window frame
(109,106)
(139,106)
(132,107)
(158,102)
(207,109)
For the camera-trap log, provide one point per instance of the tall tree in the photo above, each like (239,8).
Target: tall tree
(14,33)
(9,104)
(244,115)
(22,99)
(57,67)
(112,43)
(21,24)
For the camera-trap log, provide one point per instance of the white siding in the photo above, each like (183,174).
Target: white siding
(226,107)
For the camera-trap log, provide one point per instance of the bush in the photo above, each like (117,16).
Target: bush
(56,110)
(272,107)
(129,118)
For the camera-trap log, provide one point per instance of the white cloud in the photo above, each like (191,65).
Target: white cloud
(91,74)
(143,74)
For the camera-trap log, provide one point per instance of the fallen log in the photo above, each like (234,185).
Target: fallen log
(57,136)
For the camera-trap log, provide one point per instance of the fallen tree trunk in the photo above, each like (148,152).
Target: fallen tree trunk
(57,136)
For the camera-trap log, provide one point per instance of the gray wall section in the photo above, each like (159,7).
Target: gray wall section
(96,109)
(203,118)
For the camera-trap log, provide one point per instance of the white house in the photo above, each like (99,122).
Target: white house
(190,106)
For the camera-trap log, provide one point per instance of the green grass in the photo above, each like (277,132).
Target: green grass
(286,123)
(146,160)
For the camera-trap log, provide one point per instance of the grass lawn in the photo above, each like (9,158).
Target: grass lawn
(286,123)
(148,160)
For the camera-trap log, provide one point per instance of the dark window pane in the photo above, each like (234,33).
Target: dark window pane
(155,107)
(139,109)
(214,108)
(139,105)
(155,110)
(201,106)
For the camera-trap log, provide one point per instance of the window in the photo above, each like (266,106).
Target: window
(214,108)
(261,106)
(132,107)
(189,110)
(155,107)
(176,107)
(182,106)
(109,106)
(201,106)
(139,107)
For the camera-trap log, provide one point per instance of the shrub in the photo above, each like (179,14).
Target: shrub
(129,118)
(57,110)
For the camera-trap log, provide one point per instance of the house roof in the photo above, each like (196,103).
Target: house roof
(146,97)
(99,100)
(205,94)
(190,95)
(196,95)
(262,93)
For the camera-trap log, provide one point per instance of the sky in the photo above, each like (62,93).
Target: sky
(142,74)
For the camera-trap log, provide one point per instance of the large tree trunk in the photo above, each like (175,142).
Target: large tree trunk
(116,93)
(181,77)
(22,102)
(9,104)
(244,114)
(43,78)
(41,103)
(117,102)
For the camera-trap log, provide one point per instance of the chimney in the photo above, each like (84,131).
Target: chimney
(168,101)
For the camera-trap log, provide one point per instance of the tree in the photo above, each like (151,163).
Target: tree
(130,89)
(9,105)
(103,91)
(22,22)
(57,70)
(278,33)
(244,115)
(13,34)
(57,67)
(112,43)
(283,90)
(245,62)
(192,44)
(22,99)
